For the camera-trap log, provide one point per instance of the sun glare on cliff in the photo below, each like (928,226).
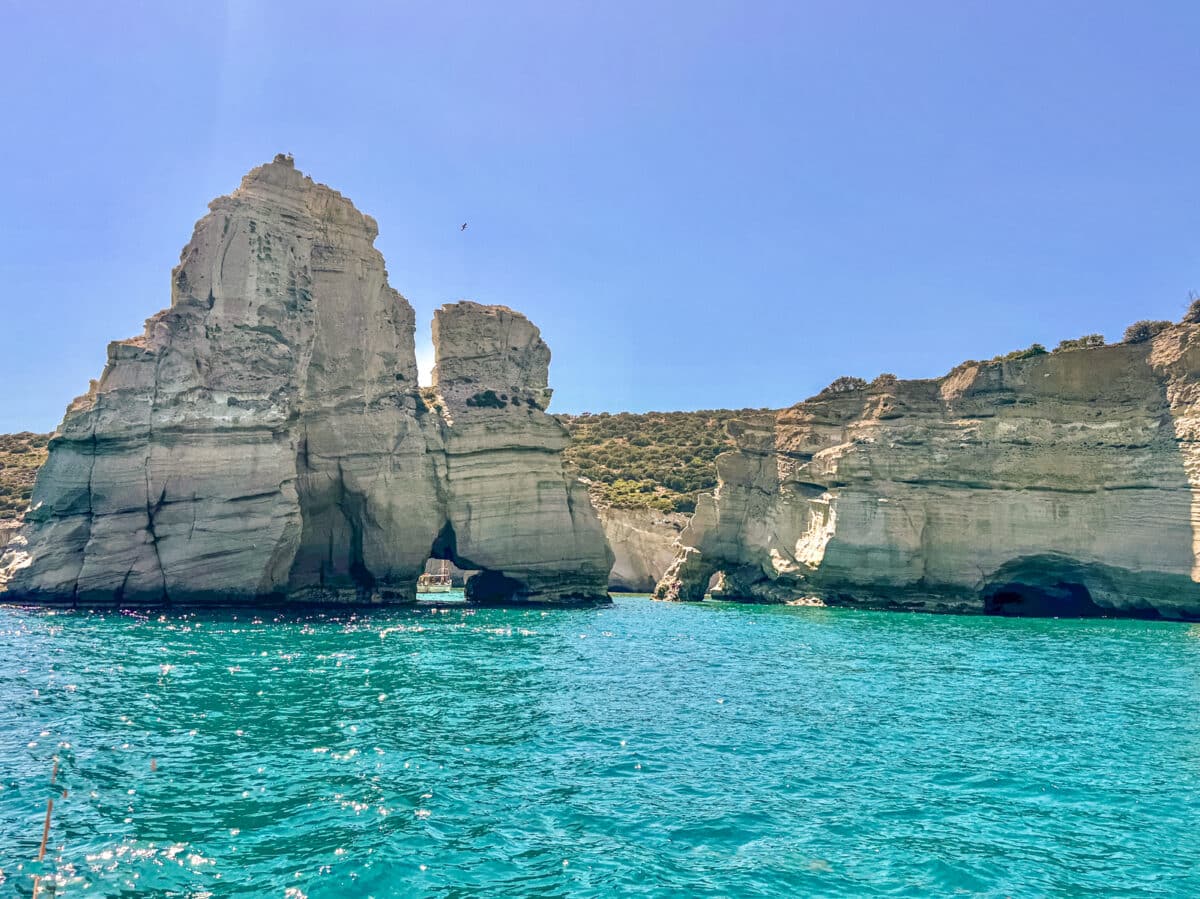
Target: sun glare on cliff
(425,362)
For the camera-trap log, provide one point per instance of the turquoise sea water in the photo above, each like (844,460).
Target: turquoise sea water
(645,749)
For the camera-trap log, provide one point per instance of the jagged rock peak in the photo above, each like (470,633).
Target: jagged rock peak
(283,187)
(489,355)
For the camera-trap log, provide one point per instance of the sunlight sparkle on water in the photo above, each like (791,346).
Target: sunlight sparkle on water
(779,751)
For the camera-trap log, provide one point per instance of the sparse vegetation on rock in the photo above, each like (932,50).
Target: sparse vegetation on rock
(1034,349)
(487,399)
(1086,342)
(1192,316)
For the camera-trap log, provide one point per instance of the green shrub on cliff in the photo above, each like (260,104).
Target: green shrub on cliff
(21,455)
(1034,349)
(654,460)
(1140,332)
(487,399)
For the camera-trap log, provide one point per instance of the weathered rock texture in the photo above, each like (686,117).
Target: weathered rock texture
(265,438)
(1067,483)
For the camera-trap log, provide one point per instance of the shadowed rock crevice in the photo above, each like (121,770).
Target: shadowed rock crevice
(445,546)
(1061,600)
(493,587)
(1058,587)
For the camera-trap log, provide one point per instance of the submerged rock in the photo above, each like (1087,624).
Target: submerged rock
(1062,484)
(266,438)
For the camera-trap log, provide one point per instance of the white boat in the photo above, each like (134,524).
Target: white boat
(436,583)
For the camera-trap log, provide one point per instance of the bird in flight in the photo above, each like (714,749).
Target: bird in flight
(464,227)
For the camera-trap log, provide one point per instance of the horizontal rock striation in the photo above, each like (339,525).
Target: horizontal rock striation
(266,438)
(1062,484)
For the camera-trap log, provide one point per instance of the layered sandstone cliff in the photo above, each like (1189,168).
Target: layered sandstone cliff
(1065,483)
(265,438)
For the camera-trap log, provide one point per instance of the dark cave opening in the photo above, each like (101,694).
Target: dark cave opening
(1059,600)
(493,587)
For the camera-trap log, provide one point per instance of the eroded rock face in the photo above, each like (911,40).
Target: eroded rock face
(1061,484)
(265,438)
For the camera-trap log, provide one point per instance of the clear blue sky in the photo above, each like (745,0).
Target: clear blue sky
(701,204)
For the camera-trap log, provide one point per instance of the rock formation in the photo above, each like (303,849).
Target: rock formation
(643,544)
(1065,483)
(511,511)
(266,438)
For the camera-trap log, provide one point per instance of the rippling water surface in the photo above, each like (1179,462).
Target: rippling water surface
(644,749)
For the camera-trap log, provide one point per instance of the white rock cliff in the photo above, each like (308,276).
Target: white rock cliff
(1065,483)
(266,439)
